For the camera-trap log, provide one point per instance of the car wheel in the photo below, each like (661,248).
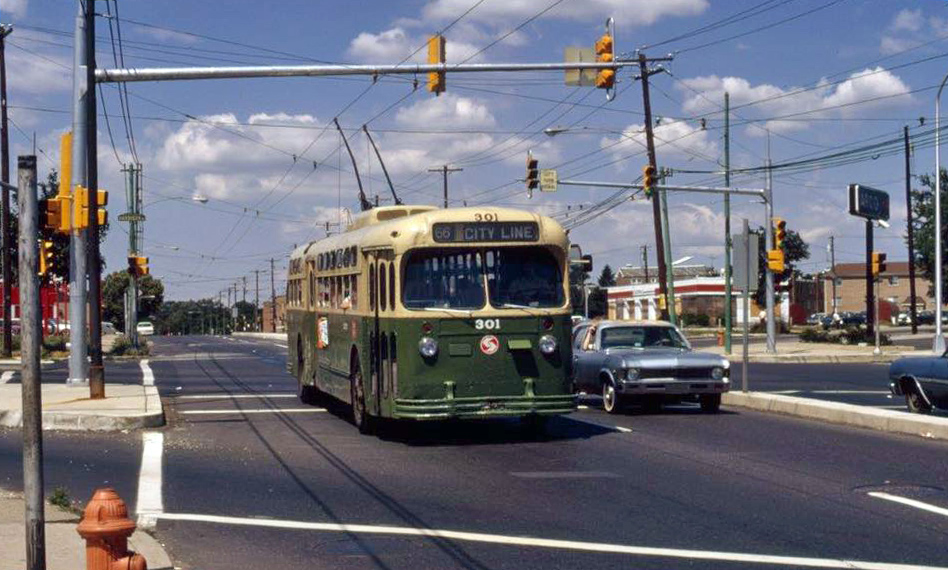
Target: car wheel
(360,415)
(610,398)
(710,403)
(915,402)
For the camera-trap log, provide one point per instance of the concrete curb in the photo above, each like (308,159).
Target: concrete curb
(820,358)
(843,414)
(260,335)
(153,417)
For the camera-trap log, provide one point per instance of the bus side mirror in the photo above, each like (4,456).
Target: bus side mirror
(587,262)
(575,253)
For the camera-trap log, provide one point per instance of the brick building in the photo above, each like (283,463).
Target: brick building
(268,324)
(893,288)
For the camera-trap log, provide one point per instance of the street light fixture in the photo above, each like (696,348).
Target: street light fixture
(938,344)
(199,198)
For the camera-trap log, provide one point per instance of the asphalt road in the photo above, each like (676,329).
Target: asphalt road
(254,479)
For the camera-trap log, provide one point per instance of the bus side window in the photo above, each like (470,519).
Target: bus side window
(355,288)
(382,282)
(391,285)
(372,287)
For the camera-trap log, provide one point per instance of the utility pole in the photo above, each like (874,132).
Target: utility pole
(660,238)
(7,242)
(444,170)
(727,224)
(911,231)
(870,293)
(833,271)
(31,337)
(134,202)
(256,301)
(83,90)
(645,261)
(96,367)
(273,297)
(769,275)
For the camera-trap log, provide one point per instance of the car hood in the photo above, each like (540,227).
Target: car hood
(665,358)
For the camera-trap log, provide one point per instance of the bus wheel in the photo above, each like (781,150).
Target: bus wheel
(360,415)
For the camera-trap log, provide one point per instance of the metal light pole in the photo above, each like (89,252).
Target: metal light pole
(938,345)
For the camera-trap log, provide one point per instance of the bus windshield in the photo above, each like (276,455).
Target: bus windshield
(525,277)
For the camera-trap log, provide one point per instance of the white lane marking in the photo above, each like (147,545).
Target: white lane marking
(866,392)
(148,377)
(150,503)
(6,376)
(274,411)
(910,502)
(232,396)
(622,429)
(600,547)
(786,392)
(582,407)
(599,425)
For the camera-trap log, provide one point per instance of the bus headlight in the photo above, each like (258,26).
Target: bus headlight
(717,373)
(428,347)
(547,344)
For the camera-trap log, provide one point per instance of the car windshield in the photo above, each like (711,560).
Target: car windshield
(641,337)
(454,279)
(523,277)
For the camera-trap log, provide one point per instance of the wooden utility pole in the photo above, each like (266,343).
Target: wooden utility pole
(656,199)
(256,301)
(911,231)
(7,240)
(444,170)
(273,297)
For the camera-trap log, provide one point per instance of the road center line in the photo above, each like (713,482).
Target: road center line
(7,376)
(148,377)
(150,503)
(225,396)
(268,411)
(910,502)
(600,547)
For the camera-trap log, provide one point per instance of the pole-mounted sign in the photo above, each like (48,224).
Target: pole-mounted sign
(868,203)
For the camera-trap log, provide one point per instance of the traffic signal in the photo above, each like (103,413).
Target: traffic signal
(780,232)
(45,256)
(54,214)
(533,172)
(82,206)
(775,260)
(436,79)
(662,303)
(137,265)
(878,263)
(606,78)
(648,179)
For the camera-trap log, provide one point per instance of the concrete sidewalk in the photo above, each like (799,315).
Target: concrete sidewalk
(281,337)
(133,404)
(65,549)
(815,353)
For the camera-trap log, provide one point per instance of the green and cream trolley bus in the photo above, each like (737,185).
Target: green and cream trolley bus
(421,313)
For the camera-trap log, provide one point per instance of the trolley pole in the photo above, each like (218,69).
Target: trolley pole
(7,352)
(31,337)
(81,123)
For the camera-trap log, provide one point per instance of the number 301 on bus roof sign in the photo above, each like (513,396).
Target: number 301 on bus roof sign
(465,232)
(868,203)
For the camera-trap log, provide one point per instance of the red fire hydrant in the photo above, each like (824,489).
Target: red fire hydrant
(105,526)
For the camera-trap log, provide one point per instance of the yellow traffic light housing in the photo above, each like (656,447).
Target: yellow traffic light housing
(878,263)
(780,232)
(606,78)
(533,172)
(45,256)
(54,214)
(436,54)
(648,179)
(82,205)
(137,265)
(776,260)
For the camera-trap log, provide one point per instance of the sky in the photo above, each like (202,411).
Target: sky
(806,79)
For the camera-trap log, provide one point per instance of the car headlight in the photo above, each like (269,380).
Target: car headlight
(631,373)
(547,344)
(428,347)
(717,373)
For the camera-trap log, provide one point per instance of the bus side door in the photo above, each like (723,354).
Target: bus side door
(381,334)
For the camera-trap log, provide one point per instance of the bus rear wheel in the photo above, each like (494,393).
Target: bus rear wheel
(360,415)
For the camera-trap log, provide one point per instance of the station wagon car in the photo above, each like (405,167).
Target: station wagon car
(647,362)
(922,380)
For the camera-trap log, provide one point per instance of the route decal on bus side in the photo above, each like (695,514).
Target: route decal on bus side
(489,344)
(322,332)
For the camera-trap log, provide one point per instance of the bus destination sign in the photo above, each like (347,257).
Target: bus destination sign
(465,232)
(868,203)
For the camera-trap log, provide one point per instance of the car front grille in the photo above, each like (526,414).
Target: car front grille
(675,373)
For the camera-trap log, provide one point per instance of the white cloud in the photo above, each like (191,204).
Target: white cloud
(447,111)
(634,12)
(395,45)
(28,73)
(16,8)
(886,88)
(679,139)
(908,20)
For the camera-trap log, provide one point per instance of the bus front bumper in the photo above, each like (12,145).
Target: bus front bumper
(492,407)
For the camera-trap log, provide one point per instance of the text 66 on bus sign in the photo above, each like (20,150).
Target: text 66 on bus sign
(465,232)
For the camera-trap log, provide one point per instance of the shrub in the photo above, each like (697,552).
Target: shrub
(853,335)
(123,347)
(695,320)
(55,343)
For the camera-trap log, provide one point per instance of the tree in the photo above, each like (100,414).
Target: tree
(191,317)
(151,294)
(577,276)
(794,250)
(607,278)
(923,224)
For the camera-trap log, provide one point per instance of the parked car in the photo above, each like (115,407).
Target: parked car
(815,318)
(645,362)
(926,317)
(922,380)
(145,328)
(108,328)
